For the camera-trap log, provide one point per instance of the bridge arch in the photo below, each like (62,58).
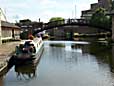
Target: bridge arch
(68,22)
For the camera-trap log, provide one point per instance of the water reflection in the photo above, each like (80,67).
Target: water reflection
(112,60)
(103,53)
(1,81)
(25,72)
(82,48)
(81,64)
(68,64)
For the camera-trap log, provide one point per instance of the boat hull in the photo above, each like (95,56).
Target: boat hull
(15,60)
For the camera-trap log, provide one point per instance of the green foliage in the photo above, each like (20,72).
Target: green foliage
(57,45)
(100,19)
(24,35)
(112,6)
(56,19)
(101,51)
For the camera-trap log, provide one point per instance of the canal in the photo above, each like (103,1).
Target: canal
(67,63)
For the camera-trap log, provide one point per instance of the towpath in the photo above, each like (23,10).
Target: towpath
(6,50)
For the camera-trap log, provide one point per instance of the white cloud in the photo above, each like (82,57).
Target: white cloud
(48,2)
(44,9)
(49,14)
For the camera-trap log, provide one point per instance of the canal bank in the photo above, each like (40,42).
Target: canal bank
(6,50)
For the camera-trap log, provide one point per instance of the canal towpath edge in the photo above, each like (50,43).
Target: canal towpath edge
(6,50)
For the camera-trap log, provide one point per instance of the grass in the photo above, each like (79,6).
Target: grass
(57,45)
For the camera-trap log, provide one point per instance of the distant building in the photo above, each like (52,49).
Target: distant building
(28,25)
(106,4)
(86,14)
(7,30)
(94,6)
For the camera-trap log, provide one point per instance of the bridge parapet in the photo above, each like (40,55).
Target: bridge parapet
(79,22)
(65,22)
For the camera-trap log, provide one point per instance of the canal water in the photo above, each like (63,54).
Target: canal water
(67,63)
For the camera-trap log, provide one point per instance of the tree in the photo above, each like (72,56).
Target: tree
(56,19)
(100,19)
(112,5)
(24,35)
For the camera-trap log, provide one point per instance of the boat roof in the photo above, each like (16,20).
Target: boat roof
(23,41)
(31,41)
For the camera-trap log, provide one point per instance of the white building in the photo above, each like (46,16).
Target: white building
(7,30)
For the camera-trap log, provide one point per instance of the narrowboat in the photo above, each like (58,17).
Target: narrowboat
(28,51)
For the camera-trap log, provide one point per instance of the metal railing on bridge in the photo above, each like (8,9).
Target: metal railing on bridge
(64,22)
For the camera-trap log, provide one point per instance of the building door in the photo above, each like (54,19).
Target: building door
(13,33)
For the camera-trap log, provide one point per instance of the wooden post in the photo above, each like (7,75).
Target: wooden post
(111,60)
(0,29)
(113,27)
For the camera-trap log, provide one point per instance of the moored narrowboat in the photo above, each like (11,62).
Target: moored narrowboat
(28,51)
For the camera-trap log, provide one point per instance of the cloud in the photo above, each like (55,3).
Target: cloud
(48,2)
(44,9)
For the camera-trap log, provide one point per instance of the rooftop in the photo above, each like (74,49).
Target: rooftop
(7,24)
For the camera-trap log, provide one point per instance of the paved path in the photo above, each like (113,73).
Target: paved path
(5,52)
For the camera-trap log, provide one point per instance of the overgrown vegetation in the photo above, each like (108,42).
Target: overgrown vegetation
(24,35)
(100,19)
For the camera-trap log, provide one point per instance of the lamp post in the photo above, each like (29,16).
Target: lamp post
(75,11)
(75,8)
(0,28)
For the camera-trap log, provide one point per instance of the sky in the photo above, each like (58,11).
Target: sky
(16,10)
